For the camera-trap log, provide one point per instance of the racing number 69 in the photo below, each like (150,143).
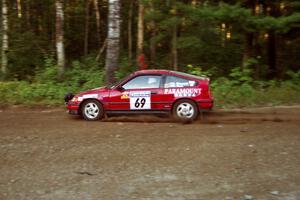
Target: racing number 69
(140,102)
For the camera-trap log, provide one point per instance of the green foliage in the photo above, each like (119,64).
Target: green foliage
(241,75)
(186,42)
(198,71)
(294,76)
(48,74)
(46,89)
(242,90)
(24,56)
(125,68)
(22,92)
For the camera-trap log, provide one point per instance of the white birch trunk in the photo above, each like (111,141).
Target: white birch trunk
(113,40)
(60,50)
(4,49)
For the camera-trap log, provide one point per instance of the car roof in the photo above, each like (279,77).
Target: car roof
(163,71)
(152,71)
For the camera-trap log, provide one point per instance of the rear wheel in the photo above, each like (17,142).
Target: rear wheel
(185,110)
(92,110)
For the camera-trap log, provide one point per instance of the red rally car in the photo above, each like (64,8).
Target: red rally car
(146,91)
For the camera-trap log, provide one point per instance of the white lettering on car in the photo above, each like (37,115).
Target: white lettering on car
(183,92)
(88,96)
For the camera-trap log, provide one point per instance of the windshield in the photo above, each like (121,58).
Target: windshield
(114,85)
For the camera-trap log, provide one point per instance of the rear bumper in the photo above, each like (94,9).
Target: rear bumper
(205,105)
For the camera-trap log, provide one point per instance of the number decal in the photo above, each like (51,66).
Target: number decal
(140,100)
(137,103)
(143,101)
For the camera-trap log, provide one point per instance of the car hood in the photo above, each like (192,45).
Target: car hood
(94,91)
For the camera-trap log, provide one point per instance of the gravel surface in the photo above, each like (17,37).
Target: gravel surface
(237,154)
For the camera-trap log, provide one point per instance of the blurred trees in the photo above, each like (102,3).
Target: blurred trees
(217,36)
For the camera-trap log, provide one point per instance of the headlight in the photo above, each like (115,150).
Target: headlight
(74,99)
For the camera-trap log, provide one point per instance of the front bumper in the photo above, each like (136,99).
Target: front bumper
(73,112)
(73,108)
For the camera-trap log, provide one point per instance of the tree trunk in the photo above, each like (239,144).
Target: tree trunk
(174,49)
(27,14)
(19,8)
(98,22)
(258,53)
(140,36)
(280,61)
(272,55)
(130,14)
(272,46)
(60,51)
(248,49)
(113,40)
(4,51)
(194,3)
(174,52)
(101,50)
(152,40)
(86,32)
(249,37)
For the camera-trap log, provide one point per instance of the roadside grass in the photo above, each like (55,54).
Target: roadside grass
(281,93)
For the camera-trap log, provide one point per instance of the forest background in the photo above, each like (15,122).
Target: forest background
(248,48)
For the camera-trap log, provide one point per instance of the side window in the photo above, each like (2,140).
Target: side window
(141,82)
(173,81)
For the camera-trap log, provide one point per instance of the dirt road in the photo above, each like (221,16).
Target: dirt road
(242,154)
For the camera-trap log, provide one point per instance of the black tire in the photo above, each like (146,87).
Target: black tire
(92,110)
(185,110)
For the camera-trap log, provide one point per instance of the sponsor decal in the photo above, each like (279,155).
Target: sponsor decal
(125,95)
(140,100)
(183,92)
(88,96)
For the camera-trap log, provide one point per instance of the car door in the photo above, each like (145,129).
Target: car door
(140,93)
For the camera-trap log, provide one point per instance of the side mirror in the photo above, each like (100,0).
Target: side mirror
(120,88)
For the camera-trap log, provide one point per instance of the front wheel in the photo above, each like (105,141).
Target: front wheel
(185,110)
(92,110)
